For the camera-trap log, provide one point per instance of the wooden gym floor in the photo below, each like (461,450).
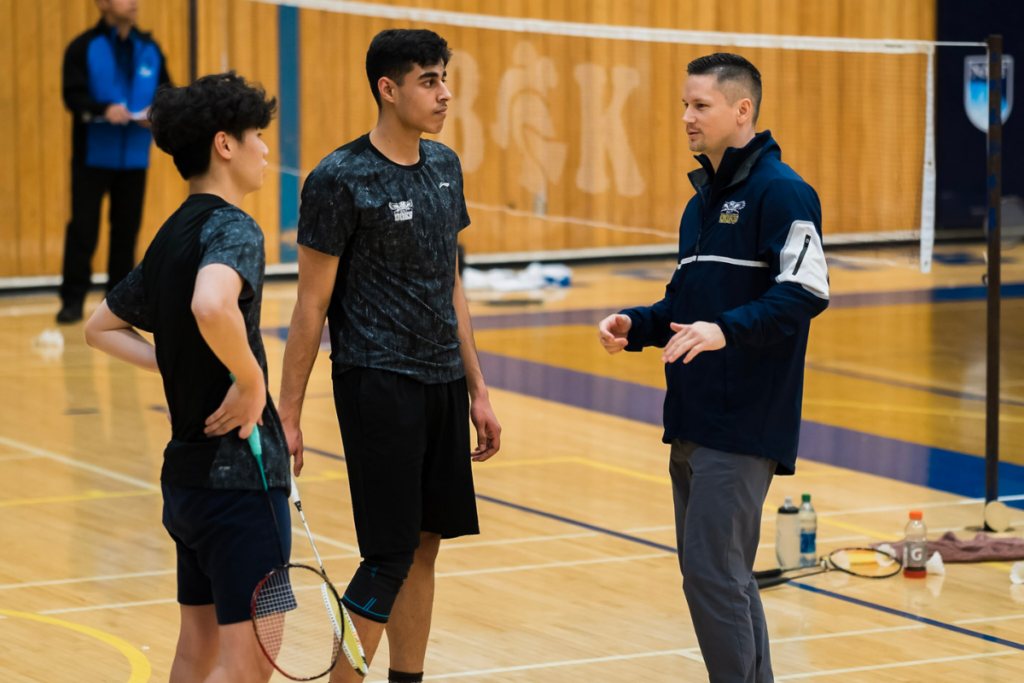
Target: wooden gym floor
(576,565)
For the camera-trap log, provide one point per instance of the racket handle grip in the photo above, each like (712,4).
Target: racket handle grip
(768,574)
(296,501)
(771,583)
(255,445)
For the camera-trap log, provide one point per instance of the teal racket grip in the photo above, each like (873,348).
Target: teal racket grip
(255,445)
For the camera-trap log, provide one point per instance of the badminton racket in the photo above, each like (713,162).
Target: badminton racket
(866,563)
(299,621)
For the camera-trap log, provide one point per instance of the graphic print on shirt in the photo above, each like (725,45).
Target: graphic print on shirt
(403,210)
(731,212)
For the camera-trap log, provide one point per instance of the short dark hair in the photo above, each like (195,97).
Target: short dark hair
(726,66)
(393,52)
(185,120)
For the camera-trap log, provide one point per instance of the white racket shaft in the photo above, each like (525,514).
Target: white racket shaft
(340,618)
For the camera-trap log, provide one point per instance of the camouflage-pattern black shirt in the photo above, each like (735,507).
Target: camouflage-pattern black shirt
(396,230)
(157,297)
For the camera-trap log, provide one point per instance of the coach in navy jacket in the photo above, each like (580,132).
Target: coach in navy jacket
(734,324)
(111,73)
(751,262)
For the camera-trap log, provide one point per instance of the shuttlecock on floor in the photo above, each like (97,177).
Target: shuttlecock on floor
(1017,573)
(49,344)
(886,555)
(934,565)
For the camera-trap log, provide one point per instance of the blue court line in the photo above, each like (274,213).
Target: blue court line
(813,589)
(908,615)
(324,453)
(584,525)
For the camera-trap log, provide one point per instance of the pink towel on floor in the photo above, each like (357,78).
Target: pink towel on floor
(981,548)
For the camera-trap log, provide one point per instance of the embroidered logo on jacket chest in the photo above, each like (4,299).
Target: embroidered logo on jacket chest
(731,212)
(403,210)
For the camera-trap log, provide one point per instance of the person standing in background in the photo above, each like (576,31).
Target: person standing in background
(111,73)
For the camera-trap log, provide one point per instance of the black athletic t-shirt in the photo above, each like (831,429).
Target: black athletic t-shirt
(157,297)
(396,230)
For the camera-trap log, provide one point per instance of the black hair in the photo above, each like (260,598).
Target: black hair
(726,66)
(186,120)
(393,53)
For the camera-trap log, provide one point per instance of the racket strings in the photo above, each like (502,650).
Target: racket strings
(293,624)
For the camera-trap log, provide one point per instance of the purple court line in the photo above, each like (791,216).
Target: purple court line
(935,468)
(670,549)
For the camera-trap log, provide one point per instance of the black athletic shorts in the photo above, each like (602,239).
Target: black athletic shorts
(226,545)
(407,448)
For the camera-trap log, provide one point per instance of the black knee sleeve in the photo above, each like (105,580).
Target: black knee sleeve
(373,589)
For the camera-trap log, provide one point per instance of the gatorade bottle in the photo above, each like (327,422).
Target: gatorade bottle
(808,533)
(787,536)
(915,548)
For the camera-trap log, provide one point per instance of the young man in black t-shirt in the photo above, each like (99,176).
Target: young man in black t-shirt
(378,232)
(198,290)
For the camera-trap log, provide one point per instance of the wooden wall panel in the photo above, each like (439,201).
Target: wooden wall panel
(843,161)
(862,189)
(8,169)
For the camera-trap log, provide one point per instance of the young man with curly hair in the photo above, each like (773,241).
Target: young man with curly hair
(198,290)
(378,232)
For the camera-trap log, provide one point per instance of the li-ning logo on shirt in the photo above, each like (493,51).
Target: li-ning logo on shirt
(443,185)
(403,210)
(731,212)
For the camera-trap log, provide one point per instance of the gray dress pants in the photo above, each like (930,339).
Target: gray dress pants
(718,501)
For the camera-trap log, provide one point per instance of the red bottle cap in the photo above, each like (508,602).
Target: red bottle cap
(916,514)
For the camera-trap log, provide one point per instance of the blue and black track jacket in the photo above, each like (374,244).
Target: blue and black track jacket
(99,70)
(750,260)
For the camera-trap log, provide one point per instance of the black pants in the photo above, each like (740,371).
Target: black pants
(88,185)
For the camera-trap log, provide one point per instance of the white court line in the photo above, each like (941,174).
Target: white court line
(896,665)
(551,665)
(86,579)
(896,508)
(984,620)
(325,540)
(692,653)
(25,456)
(511,541)
(642,529)
(495,570)
(550,565)
(17,311)
(115,605)
(96,469)
(133,575)
(830,539)
(325,558)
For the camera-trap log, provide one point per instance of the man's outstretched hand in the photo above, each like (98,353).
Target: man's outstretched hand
(612,332)
(692,340)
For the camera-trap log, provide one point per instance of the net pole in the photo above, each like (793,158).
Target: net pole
(193,40)
(928,172)
(995,158)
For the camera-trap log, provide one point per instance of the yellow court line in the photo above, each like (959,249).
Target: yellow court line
(859,529)
(903,408)
(141,670)
(501,464)
(88,495)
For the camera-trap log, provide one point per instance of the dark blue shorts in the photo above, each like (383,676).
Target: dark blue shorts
(226,545)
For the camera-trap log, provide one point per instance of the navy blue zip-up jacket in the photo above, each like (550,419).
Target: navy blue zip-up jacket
(99,70)
(750,260)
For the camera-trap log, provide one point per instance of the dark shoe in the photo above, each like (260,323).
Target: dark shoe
(70,313)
